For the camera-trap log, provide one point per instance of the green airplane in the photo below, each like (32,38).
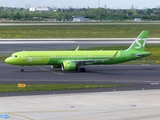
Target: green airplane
(74,60)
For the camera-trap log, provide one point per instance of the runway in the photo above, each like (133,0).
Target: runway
(7,49)
(141,76)
(10,48)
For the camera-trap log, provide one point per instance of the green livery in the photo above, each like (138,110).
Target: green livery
(74,60)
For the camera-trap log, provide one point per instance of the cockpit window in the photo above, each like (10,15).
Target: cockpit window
(15,56)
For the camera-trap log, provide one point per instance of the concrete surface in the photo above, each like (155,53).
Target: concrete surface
(126,105)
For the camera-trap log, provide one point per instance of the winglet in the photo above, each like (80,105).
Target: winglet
(114,55)
(77,48)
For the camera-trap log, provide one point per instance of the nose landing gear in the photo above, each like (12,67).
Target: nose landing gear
(22,69)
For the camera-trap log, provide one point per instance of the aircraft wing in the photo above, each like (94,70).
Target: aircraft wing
(85,62)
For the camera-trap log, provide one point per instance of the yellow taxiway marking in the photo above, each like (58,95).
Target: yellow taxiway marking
(52,71)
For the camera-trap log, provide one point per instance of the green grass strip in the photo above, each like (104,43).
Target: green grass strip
(79,31)
(48,87)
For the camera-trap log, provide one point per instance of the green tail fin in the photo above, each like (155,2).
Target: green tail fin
(140,42)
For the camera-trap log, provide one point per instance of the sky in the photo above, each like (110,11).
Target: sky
(115,4)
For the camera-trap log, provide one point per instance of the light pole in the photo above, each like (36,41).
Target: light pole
(99,3)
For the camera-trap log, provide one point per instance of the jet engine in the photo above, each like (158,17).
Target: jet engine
(68,66)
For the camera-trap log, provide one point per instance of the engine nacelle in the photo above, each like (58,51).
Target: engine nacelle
(68,66)
(55,66)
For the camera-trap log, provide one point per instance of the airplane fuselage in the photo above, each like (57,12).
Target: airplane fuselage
(27,58)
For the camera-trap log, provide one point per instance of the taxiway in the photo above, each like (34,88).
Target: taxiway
(141,76)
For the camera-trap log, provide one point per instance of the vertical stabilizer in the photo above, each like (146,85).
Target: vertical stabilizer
(140,42)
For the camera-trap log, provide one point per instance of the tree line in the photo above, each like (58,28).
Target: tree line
(91,13)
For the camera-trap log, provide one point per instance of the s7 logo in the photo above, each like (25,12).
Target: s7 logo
(140,43)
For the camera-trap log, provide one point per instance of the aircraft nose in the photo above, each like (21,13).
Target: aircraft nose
(7,60)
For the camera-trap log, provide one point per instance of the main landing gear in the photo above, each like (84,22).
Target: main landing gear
(82,69)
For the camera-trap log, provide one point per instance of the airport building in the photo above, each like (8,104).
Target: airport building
(137,19)
(40,9)
(80,19)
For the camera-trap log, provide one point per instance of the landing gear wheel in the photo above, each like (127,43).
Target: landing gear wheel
(82,69)
(76,68)
(22,69)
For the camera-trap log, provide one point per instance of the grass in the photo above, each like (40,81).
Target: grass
(79,31)
(49,87)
